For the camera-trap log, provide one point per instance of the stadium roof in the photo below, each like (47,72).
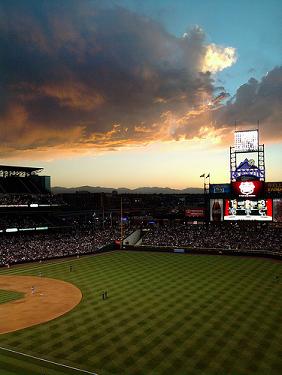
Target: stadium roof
(18,169)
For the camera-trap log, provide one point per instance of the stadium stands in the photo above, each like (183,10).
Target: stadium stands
(25,200)
(236,236)
(19,248)
(37,225)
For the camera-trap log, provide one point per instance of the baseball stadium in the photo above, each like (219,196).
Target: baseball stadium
(131,284)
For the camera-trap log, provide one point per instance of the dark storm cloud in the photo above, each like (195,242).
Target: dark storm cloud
(256,100)
(81,73)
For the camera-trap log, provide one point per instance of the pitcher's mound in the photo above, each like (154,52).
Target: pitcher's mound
(44,299)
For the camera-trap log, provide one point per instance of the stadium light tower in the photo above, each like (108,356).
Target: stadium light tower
(206,187)
(205,184)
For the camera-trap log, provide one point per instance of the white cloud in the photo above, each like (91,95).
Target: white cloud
(218,58)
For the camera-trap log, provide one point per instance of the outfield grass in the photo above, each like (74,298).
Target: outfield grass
(166,314)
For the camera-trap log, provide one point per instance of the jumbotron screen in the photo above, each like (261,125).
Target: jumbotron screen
(248,189)
(245,209)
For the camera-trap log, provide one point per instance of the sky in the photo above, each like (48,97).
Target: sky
(132,93)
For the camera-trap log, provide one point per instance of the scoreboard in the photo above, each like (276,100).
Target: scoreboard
(246,141)
(247,196)
(246,209)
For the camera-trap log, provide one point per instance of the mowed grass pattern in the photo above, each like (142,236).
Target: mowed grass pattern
(166,314)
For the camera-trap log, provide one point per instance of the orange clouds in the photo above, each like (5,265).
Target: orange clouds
(73,95)
(84,78)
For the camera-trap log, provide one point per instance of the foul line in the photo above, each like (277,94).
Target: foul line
(46,360)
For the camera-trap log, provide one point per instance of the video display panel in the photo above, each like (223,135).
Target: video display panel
(277,210)
(247,189)
(246,141)
(246,209)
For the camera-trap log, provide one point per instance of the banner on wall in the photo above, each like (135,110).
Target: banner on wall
(273,187)
(195,212)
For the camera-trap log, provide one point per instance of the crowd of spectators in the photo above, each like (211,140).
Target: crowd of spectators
(17,200)
(28,221)
(18,248)
(23,247)
(236,236)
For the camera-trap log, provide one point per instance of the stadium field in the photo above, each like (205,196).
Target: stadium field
(165,314)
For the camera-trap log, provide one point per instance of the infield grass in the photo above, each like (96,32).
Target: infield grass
(166,314)
(8,296)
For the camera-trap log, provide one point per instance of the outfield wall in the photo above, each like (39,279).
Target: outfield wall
(211,251)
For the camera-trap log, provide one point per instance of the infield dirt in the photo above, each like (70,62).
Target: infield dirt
(50,299)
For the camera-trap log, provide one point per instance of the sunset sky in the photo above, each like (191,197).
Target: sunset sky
(135,93)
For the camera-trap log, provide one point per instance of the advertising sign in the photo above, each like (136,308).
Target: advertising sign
(247,189)
(245,209)
(247,168)
(246,141)
(220,189)
(195,212)
(277,210)
(273,187)
(216,209)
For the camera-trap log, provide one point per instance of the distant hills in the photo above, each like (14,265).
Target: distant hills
(141,190)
